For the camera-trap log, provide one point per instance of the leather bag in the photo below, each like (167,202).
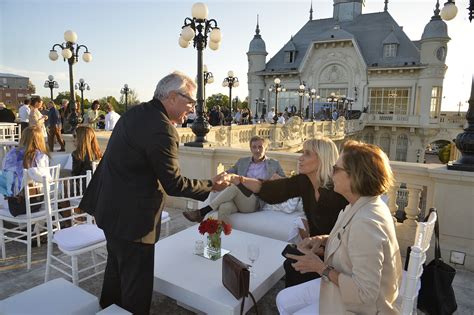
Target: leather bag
(236,279)
(436,296)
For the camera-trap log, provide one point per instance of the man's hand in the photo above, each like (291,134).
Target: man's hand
(221,181)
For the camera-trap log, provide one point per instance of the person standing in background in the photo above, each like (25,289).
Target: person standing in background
(111,118)
(24,114)
(6,115)
(54,128)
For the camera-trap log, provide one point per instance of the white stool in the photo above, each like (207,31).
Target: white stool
(113,310)
(57,296)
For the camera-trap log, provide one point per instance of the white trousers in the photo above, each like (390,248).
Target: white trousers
(301,299)
(232,200)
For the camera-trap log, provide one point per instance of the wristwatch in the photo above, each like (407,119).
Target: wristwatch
(326,271)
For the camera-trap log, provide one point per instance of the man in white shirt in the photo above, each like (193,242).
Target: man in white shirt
(111,118)
(270,115)
(24,114)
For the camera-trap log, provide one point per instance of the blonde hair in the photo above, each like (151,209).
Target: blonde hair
(327,153)
(368,168)
(32,139)
(87,144)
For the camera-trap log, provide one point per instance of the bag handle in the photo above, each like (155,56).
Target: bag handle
(436,233)
(243,303)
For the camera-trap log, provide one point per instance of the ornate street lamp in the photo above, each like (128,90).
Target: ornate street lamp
(312,96)
(81,86)
(258,103)
(301,90)
(125,91)
(196,29)
(464,140)
(70,52)
(208,79)
(277,87)
(51,84)
(230,81)
(333,98)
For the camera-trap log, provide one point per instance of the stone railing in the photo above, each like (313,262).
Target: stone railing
(418,187)
(452,120)
(392,119)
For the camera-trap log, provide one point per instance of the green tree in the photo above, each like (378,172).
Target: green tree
(217,100)
(31,88)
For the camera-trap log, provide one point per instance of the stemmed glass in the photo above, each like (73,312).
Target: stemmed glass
(253,251)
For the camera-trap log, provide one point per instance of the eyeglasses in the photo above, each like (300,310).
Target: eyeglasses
(336,168)
(189,98)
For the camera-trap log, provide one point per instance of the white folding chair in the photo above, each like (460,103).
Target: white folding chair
(22,224)
(410,281)
(81,235)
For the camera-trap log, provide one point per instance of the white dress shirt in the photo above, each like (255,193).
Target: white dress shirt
(24,113)
(110,120)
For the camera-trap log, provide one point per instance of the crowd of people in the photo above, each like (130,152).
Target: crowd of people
(347,259)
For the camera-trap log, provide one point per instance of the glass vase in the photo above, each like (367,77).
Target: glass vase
(214,246)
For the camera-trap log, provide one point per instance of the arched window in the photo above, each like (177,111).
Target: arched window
(402,148)
(369,138)
(384,143)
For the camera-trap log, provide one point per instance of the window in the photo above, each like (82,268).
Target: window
(389,100)
(289,56)
(384,143)
(402,148)
(8,95)
(368,138)
(435,105)
(389,50)
(285,99)
(20,95)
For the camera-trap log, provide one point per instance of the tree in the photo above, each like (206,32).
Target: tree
(217,100)
(64,95)
(132,98)
(119,108)
(31,88)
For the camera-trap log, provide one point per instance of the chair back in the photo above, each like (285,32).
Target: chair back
(424,232)
(34,189)
(94,165)
(10,132)
(62,197)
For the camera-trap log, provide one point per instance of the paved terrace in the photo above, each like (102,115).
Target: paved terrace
(14,278)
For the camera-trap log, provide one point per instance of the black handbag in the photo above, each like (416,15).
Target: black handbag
(236,279)
(436,296)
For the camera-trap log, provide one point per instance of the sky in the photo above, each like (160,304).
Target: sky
(136,42)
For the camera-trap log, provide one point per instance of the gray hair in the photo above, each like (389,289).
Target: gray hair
(175,81)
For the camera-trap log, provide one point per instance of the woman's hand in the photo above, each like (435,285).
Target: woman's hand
(315,244)
(309,262)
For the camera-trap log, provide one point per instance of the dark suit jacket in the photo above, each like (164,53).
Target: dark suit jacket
(138,166)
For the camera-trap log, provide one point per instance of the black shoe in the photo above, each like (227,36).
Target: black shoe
(193,216)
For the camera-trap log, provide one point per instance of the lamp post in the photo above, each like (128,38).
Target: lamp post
(312,96)
(464,140)
(277,87)
(208,79)
(301,90)
(125,91)
(81,86)
(51,84)
(196,29)
(258,102)
(230,81)
(70,52)
(332,99)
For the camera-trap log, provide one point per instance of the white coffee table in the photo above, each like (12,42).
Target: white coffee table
(196,282)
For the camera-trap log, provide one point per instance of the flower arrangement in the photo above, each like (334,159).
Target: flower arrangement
(213,226)
(214,229)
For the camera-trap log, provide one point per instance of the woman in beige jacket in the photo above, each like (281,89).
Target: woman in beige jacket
(361,272)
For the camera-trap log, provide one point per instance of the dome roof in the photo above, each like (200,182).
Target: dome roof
(257,45)
(436,28)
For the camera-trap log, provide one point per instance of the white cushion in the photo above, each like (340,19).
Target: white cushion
(78,236)
(165,216)
(6,213)
(57,296)
(289,206)
(272,224)
(113,310)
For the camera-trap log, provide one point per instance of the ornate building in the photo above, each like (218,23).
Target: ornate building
(368,61)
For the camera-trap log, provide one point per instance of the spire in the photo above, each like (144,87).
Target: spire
(311,11)
(385,8)
(257,30)
(436,15)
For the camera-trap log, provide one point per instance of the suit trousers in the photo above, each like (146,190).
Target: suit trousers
(128,277)
(232,200)
(55,132)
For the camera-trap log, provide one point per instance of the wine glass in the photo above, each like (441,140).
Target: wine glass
(253,251)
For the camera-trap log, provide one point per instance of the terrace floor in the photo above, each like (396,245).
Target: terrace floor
(14,278)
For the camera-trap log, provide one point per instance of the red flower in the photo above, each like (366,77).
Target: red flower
(203,227)
(212,225)
(227,228)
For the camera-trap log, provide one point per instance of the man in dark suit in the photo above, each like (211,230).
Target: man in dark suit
(126,194)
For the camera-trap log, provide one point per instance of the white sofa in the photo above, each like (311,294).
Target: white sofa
(270,223)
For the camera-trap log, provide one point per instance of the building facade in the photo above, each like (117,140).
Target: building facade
(13,89)
(369,60)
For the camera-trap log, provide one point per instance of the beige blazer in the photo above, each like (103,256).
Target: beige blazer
(363,247)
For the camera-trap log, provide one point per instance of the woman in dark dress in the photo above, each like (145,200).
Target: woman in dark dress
(87,151)
(313,184)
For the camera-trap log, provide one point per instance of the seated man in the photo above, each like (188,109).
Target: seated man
(232,199)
